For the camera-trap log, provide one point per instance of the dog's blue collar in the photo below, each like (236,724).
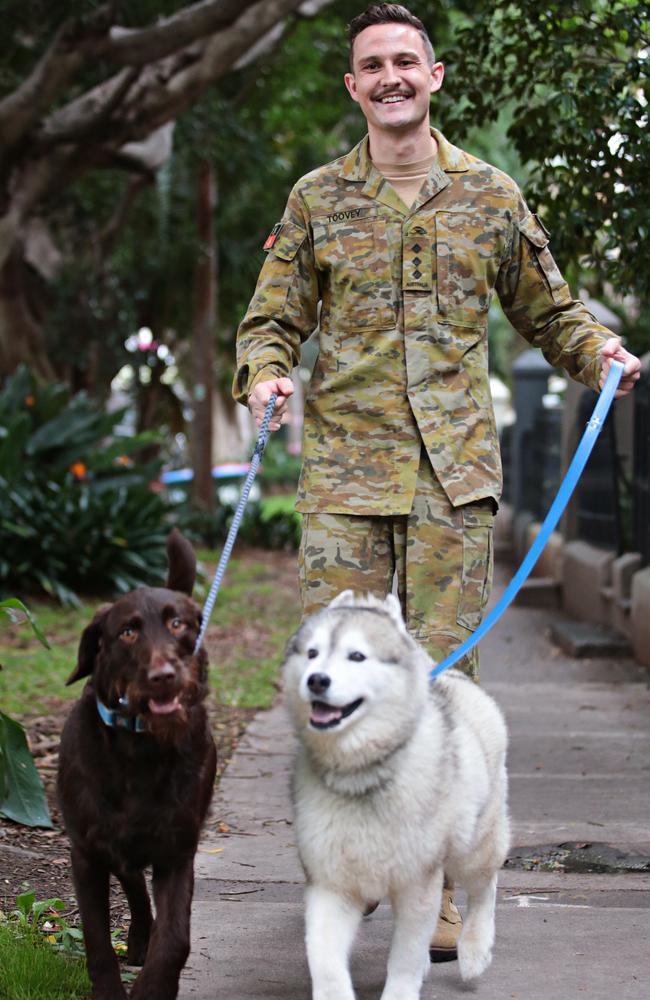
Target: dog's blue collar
(120,720)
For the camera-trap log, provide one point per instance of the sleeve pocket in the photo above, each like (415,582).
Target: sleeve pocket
(538,236)
(289,241)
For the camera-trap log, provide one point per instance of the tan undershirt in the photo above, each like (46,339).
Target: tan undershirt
(407,178)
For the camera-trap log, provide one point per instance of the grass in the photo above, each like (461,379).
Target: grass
(31,970)
(255,614)
(258,615)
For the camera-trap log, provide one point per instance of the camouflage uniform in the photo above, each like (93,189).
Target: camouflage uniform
(404,297)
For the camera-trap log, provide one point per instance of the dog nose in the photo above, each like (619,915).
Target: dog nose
(318,683)
(161,675)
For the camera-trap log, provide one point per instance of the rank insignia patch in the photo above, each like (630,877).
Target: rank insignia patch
(272,237)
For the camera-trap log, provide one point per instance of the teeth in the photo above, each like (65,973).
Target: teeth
(393,100)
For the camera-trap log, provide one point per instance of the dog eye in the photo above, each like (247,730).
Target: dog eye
(311,653)
(176,626)
(356,656)
(128,633)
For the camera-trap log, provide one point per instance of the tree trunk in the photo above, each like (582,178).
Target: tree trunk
(204,332)
(21,337)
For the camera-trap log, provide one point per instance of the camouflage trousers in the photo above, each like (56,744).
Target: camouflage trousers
(441,557)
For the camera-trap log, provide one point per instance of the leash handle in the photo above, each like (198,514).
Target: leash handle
(567,486)
(236,521)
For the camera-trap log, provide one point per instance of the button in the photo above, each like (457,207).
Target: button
(416,248)
(416,261)
(417,274)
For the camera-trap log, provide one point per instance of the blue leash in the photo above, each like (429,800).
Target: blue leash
(583,451)
(236,521)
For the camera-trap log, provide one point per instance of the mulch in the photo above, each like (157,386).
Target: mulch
(38,859)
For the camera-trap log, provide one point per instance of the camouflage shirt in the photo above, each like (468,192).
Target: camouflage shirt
(401,298)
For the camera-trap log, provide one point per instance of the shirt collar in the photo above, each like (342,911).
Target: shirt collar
(357,165)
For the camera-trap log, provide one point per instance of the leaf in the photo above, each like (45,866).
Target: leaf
(9,609)
(25,799)
(25,901)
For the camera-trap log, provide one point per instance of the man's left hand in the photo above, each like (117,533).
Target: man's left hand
(614,351)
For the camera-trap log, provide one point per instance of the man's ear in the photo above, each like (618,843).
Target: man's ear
(437,76)
(89,646)
(351,86)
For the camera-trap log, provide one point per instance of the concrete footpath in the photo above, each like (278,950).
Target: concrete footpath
(579,766)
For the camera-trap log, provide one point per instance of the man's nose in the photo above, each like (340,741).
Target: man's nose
(389,74)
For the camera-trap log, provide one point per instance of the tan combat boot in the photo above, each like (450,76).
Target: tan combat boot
(443,947)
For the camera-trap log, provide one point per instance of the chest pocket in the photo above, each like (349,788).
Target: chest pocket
(468,254)
(355,259)
(535,233)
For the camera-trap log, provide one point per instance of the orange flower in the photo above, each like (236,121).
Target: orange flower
(123,460)
(29,400)
(78,470)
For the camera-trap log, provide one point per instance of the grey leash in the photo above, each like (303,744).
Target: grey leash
(236,521)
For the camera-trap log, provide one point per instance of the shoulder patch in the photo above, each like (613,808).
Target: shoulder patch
(272,237)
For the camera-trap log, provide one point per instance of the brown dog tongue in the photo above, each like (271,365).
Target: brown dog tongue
(323,714)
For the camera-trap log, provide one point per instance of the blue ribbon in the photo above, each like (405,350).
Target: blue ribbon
(583,451)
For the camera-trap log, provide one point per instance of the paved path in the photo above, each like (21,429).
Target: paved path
(579,771)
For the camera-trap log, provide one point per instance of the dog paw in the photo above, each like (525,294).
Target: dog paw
(473,960)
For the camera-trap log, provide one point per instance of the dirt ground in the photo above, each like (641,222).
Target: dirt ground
(39,859)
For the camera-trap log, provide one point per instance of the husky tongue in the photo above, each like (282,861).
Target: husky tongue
(325,715)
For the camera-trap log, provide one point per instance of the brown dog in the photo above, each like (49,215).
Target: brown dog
(136,774)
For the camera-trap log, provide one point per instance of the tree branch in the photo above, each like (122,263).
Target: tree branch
(138,46)
(72,45)
(154,104)
(88,112)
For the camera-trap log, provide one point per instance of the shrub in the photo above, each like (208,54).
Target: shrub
(270,523)
(76,510)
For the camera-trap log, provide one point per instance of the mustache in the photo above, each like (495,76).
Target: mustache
(391,93)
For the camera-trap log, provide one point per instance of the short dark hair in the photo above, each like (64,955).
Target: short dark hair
(388,13)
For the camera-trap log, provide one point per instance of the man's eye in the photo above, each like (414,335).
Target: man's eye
(356,656)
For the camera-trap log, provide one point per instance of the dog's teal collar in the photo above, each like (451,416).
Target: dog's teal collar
(120,720)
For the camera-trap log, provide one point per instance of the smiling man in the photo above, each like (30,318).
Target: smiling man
(394,251)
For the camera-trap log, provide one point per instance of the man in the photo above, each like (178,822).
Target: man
(401,244)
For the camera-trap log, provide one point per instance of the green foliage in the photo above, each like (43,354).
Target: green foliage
(574,77)
(22,798)
(270,523)
(257,613)
(32,674)
(76,510)
(15,611)
(279,467)
(32,970)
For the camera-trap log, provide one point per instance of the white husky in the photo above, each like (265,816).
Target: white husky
(397,780)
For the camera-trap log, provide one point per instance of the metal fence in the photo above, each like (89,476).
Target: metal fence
(598,512)
(641,466)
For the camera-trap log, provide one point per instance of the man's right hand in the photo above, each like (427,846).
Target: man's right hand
(259,398)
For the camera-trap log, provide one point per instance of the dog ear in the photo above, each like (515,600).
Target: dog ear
(394,610)
(182,563)
(345,597)
(89,646)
